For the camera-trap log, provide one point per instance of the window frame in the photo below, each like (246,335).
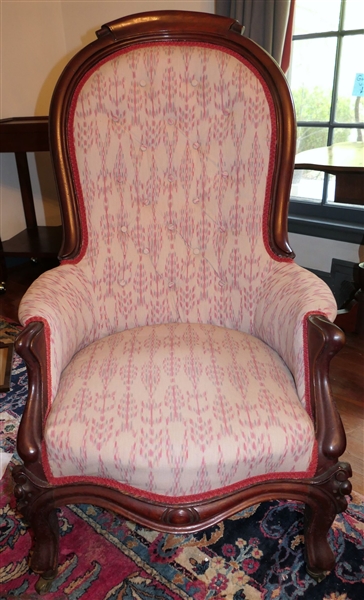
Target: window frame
(323,219)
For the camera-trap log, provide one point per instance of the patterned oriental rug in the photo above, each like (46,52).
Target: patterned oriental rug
(12,403)
(255,555)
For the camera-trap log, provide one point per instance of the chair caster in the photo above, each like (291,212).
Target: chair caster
(43,584)
(317,576)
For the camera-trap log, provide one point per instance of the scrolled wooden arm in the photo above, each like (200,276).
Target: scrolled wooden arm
(324,341)
(31,346)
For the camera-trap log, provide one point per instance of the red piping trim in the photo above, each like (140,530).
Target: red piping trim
(210,495)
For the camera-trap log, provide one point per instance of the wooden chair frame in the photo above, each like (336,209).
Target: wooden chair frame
(324,494)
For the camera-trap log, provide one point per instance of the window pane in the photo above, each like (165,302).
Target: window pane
(307,185)
(354,14)
(348,108)
(311,137)
(347,135)
(313,16)
(311,77)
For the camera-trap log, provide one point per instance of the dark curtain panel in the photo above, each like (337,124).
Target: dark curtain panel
(267,22)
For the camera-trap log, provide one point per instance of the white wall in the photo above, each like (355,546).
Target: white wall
(317,253)
(37,38)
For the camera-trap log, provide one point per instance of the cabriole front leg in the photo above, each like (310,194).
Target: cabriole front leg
(327,499)
(34,502)
(320,559)
(44,559)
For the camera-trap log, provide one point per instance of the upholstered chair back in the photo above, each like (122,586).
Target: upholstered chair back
(172,147)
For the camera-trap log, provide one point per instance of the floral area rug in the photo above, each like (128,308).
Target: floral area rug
(255,555)
(11,403)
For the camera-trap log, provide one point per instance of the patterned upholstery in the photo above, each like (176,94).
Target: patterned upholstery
(178,409)
(177,337)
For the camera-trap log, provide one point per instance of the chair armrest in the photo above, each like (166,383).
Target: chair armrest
(64,300)
(288,296)
(324,340)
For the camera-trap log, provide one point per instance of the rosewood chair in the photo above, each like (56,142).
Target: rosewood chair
(178,358)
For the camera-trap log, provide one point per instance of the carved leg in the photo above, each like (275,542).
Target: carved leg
(35,502)
(320,559)
(44,559)
(327,500)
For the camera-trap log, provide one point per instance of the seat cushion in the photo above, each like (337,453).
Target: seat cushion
(178,410)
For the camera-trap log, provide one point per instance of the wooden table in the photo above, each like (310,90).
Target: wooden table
(346,162)
(19,136)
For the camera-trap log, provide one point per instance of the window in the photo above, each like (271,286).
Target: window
(326,77)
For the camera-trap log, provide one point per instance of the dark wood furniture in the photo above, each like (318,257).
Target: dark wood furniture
(346,162)
(324,493)
(6,361)
(19,136)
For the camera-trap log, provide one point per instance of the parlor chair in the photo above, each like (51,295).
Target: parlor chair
(178,358)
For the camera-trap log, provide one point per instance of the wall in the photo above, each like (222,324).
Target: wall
(317,253)
(37,40)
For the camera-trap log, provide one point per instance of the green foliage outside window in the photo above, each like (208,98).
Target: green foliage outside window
(314,105)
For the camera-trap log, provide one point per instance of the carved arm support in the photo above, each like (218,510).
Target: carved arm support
(31,346)
(324,340)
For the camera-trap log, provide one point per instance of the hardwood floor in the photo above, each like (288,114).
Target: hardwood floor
(347,382)
(347,371)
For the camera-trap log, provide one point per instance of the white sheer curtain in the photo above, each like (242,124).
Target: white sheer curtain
(267,22)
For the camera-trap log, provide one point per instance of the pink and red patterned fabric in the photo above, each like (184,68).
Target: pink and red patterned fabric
(178,409)
(172,149)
